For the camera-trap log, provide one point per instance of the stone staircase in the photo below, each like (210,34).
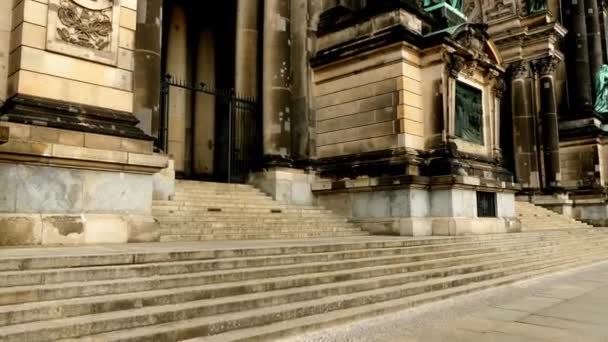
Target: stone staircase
(534,217)
(234,291)
(202,211)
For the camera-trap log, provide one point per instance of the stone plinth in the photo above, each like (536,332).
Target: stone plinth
(66,187)
(420,206)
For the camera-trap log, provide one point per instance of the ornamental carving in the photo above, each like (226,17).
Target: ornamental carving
(519,69)
(84,26)
(546,66)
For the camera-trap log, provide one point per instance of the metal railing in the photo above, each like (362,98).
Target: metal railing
(243,128)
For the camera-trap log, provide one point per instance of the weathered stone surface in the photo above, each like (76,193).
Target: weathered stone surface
(43,189)
(164,183)
(18,230)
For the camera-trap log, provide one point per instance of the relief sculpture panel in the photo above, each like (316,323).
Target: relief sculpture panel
(84,28)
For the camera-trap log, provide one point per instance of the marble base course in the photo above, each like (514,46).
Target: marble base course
(407,206)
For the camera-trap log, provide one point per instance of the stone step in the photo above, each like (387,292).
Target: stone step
(534,217)
(331,272)
(177,322)
(263,226)
(60,258)
(288,328)
(79,273)
(278,209)
(214,185)
(244,230)
(258,236)
(57,291)
(223,202)
(230,215)
(262,219)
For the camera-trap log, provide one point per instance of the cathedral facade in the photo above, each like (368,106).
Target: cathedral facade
(408,117)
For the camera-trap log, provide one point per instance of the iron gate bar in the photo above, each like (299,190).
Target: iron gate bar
(244,138)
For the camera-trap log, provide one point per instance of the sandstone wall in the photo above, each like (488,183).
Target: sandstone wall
(370,103)
(70,77)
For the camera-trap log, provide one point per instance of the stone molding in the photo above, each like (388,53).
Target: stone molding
(25,147)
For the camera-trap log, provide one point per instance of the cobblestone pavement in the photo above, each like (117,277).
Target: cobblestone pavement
(568,306)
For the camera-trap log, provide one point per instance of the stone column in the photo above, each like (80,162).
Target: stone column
(548,112)
(276,97)
(499,90)
(594,37)
(580,72)
(179,99)
(247,39)
(203,149)
(524,129)
(147,68)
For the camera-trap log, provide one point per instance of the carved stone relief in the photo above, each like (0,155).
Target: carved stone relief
(485,11)
(84,28)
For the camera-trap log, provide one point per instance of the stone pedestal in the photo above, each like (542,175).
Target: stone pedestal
(286,185)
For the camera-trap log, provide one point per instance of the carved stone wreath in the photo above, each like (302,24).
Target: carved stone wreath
(84,28)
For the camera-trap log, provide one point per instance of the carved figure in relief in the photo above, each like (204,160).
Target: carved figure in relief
(601,91)
(536,6)
(86,23)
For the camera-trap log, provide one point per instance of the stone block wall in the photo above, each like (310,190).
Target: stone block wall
(370,103)
(5,37)
(582,165)
(99,77)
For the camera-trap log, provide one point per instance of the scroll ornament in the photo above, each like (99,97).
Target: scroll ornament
(86,27)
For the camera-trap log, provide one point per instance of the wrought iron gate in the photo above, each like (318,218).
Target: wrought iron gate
(243,148)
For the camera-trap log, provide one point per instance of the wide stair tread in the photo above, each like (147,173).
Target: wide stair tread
(369,293)
(534,217)
(242,212)
(249,293)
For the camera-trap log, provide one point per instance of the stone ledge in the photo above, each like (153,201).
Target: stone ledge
(51,135)
(420,182)
(81,157)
